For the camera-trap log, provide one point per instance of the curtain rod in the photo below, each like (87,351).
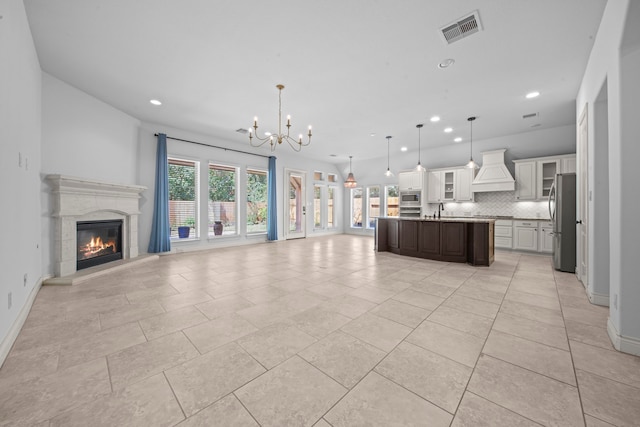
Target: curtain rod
(215,146)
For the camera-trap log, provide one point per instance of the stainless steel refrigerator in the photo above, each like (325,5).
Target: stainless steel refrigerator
(562,208)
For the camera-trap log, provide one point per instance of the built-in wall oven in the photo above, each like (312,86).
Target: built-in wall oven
(411,204)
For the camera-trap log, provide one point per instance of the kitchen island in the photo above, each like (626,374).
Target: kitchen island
(469,240)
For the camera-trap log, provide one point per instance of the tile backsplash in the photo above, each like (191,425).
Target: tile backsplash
(502,203)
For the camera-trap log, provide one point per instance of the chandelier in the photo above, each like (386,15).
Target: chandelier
(350,182)
(279,137)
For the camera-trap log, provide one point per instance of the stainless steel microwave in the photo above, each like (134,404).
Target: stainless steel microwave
(410,198)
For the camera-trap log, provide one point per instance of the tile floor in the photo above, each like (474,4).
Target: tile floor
(321,331)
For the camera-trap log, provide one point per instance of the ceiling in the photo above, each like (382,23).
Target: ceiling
(352,68)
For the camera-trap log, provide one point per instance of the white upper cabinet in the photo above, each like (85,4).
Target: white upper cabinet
(449,185)
(568,164)
(525,180)
(547,170)
(434,186)
(464,179)
(534,177)
(411,180)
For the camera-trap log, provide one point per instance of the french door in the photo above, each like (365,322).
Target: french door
(583,197)
(295,206)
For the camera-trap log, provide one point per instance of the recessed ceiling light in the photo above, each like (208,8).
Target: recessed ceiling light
(448,130)
(446,63)
(435,119)
(403,149)
(372,134)
(333,155)
(267,134)
(534,94)
(458,139)
(155,102)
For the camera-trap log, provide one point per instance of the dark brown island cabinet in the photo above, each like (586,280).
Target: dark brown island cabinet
(447,239)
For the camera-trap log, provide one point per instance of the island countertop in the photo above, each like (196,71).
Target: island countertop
(444,219)
(449,239)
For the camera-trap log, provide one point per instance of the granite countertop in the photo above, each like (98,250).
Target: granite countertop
(444,219)
(475,218)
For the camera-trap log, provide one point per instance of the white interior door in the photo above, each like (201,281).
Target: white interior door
(583,202)
(295,206)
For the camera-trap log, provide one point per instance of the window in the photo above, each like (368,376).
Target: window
(331,219)
(356,208)
(183,198)
(317,206)
(256,201)
(373,205)
(318,176)
(332,177)
(392,200)
(222,200)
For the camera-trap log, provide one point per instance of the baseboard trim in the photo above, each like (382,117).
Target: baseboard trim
(15,329)
(622,343)
(598,299)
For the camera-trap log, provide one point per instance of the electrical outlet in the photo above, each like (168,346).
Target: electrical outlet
(9,300)
(25,279)
(615,301)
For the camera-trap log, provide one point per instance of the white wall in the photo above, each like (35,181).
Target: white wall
(85,137)
(20,117)
(285,158)
(82,137)
(545,142)
(606,63)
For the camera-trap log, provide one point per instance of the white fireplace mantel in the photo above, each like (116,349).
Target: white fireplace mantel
(77,199)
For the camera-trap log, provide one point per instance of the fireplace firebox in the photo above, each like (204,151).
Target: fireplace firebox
(99,242)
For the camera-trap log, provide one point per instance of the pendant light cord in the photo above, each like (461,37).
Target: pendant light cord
(388,152)
(419,167)
(471,119)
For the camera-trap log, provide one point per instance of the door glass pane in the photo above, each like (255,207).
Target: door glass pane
(356,208)
(317,206)
(330,213)
(373,205)
(295,203)
(392,200)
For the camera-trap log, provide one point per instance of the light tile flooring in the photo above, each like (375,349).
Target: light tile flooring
(321,331)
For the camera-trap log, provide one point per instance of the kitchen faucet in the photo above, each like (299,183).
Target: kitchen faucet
(440,208)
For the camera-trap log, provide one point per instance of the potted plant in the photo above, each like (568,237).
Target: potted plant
(184,230)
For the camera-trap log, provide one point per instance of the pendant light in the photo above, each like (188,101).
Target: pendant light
(388,173)
(419,167)
(351,181)
(471,164)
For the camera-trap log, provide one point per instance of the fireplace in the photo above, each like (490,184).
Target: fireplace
(99,242)
(76,202)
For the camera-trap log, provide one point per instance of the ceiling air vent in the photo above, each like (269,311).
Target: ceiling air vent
(530,116)
(242,130)
(461,28)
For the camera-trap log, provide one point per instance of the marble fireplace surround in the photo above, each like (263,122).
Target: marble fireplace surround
(77,199)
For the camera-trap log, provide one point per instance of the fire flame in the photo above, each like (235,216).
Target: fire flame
(97,246)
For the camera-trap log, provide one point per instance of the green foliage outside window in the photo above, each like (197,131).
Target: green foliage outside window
(182,182)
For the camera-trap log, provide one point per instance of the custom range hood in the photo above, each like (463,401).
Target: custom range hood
(493,175)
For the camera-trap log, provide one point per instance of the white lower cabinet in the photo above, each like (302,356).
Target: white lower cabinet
(503,234)
(545,237)
(525,235)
